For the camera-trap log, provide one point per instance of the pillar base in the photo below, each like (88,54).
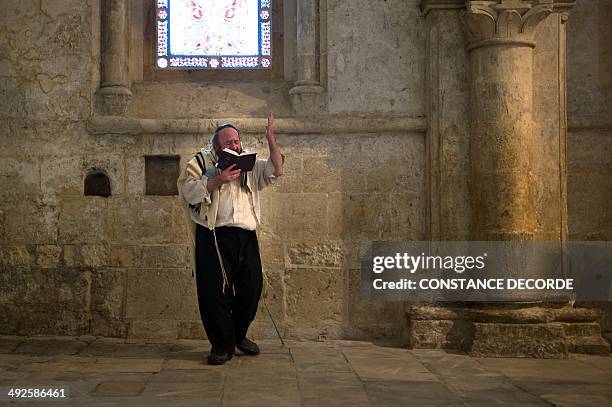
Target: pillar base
(532,330)
(306,99)
(113,100)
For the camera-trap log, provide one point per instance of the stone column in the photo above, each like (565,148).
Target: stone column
(305,95)
(500,43)
(505,196)
(114,93)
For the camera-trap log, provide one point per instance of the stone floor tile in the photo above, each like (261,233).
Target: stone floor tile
(569,393)
(123,365)
(273,396)
(277,364)
(350,397)
(211,375)
(144,351)
(472,382)
(328,379)
(9,343)
(302,373)
(191,364)
(12,376)
(380,365)
(546,369)
(43,346)
(270,347)
(319,359)
(410,393)
(331,388)
(140,401)
(99,348)
(183,345)
(118,389)
(238,379)
(204,391)
(599,362)
(21,362)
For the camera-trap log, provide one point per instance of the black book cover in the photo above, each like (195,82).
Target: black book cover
(245,162)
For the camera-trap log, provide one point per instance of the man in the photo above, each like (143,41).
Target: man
(223,206)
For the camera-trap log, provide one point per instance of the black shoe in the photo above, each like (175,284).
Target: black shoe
(218,358)
(248,347)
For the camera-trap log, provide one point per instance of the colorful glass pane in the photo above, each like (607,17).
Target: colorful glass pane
(213,34)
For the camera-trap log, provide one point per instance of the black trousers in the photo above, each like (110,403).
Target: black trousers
(227,316)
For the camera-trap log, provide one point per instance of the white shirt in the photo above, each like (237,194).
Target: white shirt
(237,206)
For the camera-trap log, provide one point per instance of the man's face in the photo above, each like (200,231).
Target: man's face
(229,138)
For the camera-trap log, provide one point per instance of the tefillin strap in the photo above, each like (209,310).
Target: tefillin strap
(243,179)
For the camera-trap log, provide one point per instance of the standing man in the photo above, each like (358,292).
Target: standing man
(223,207)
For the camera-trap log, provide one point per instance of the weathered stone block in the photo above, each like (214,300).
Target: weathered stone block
(378,216)
(16,255)
(314,305)
(296,216)
(330,254)
(54,9)
(153,329)
(262,329)
(335,218)
(272,302)
(519,340)
(148,220)
(125,255)
(293,179)
(101,326)
(272,252)
(161,217)
(161,293)
(160,256)
(86,255)
(439,334)
(108,293)
(368,319)
(190,330)
(127,218)
(20,176)
(357,80)
(48,256)
(320,173)
(34,286)
(31,223)
(42,319)
(135,174)
(75,213)
(585,338)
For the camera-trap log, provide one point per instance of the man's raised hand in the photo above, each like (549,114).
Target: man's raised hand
(270,129)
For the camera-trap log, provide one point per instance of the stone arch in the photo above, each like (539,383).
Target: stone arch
(97,183)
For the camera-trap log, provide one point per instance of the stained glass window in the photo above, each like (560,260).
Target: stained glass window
(213,34)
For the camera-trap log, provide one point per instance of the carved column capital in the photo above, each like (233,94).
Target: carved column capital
(492,22)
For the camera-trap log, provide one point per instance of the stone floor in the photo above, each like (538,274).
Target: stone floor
(102,371)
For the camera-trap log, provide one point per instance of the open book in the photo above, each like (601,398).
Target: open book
(245,161)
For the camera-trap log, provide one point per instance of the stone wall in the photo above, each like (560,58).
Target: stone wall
(119,266)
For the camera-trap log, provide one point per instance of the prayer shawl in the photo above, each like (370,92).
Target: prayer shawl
(202,162)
